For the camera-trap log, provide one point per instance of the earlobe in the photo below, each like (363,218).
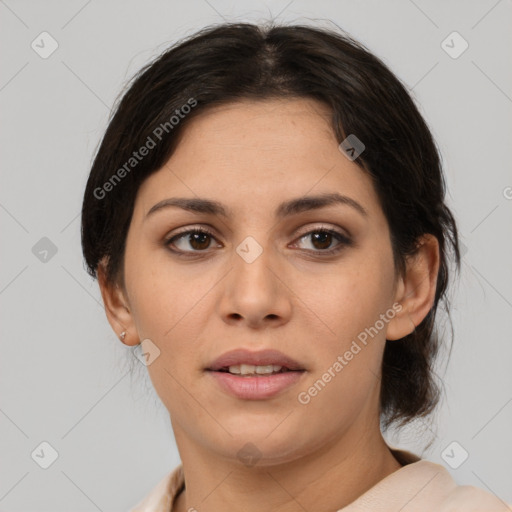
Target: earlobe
(116,308)
(416,289)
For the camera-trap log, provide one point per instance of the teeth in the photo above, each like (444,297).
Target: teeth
(265,369)
(250,369)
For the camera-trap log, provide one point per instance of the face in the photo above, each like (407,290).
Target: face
(313,280)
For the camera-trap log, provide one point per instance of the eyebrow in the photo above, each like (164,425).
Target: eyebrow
(286,209)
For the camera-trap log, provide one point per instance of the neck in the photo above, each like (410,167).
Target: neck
(326,480)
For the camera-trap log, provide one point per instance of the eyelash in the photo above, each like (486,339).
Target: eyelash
(343,240)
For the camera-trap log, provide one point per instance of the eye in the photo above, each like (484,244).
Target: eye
(198,239)
(321,240)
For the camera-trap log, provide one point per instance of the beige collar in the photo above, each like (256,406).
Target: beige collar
(419,486)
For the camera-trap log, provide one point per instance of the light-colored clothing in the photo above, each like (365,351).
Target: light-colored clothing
(419,486)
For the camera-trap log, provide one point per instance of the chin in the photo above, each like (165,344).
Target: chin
(262,444)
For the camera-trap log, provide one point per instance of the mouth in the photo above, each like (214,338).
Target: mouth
(245,362)
(255,375)
(250,370)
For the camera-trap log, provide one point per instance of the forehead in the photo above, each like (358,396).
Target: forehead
(253,153)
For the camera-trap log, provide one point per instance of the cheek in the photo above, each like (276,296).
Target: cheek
(169,304)
(151,304)
(161,293)
(349,353)
(167,310)
(348,300)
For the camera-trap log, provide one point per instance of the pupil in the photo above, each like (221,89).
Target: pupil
(322,238)
(197,237)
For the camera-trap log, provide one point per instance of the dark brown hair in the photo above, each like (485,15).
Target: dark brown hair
(227,62)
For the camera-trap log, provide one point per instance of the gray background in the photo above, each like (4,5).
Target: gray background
(65,377)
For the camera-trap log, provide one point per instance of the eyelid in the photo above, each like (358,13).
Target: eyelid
(190,230)
(324,227)
(343,240)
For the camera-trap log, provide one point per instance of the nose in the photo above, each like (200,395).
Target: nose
(255,291)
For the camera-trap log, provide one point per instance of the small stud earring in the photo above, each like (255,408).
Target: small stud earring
(122,336)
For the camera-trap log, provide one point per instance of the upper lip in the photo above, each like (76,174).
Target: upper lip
(260,358)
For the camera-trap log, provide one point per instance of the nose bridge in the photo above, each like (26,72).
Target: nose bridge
(253,290)
(252,262)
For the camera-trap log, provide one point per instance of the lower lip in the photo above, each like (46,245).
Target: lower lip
(256,388)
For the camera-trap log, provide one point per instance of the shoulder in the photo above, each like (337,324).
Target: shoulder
(424,486)
(162,496)
(466,498)
(448,496)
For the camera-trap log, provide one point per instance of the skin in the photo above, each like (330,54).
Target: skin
(251,156)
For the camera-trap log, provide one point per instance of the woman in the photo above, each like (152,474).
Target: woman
(266,219)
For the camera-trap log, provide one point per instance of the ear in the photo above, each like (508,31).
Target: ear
(416,289)
(117,307)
